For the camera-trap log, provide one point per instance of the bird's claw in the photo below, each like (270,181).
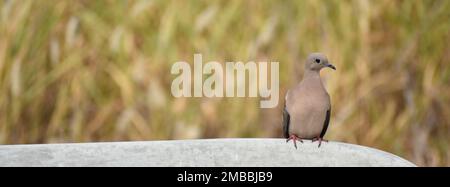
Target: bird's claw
(294,138)
(319,139)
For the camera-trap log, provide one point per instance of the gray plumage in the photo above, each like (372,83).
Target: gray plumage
(307,110)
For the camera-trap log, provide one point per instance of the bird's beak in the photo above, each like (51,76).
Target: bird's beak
(331,66)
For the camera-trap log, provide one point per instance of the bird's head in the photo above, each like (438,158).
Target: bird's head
(317,61)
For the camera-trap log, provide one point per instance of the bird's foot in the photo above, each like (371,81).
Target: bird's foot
(294,138)
(319,139)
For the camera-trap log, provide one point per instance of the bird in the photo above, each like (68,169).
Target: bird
(307,107)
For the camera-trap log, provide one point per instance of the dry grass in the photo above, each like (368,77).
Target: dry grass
(80,71)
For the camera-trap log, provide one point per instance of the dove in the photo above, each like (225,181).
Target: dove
(307,107)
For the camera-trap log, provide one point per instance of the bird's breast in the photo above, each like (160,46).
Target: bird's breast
(308,112)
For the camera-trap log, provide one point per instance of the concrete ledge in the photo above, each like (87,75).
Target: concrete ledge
(207,152)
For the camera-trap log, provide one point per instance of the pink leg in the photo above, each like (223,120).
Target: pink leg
(294,138)
(319,139)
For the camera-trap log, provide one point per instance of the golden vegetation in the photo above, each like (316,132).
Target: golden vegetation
(81,71)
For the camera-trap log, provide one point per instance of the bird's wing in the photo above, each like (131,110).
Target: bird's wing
(286,121)
(325,124)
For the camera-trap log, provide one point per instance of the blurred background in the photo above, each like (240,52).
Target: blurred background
(88,71)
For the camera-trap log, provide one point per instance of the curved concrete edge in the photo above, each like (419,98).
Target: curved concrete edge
(201,152)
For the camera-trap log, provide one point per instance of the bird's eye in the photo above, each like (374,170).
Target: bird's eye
(317,60)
